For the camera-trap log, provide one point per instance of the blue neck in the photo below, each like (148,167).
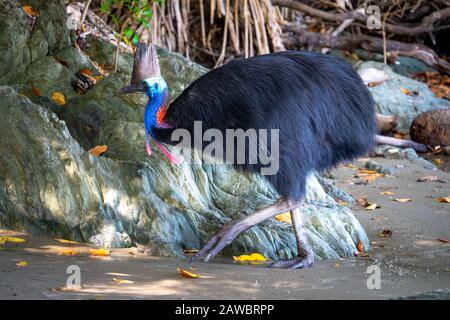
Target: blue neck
(154,104)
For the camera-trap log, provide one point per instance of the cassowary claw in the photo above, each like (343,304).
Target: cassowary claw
(296,263)
(218,242)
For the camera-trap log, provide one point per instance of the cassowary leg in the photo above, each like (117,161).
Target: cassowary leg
(305,258)
(230,232)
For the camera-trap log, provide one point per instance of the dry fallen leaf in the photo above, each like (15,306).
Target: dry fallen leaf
(58,98)
(444,199)
(284,217)
(190,250)
(371,206)
(122,281)
(365,171)
(386,193)
(69,252)
(99,252)
(385,234)
(36,91)
(11,239)
(98,150)
(66,241)
(21,264)
(443,240)
(408,92)
(402,200)
(360,246)
(187,274)
(86,72)
(30,11)
(251,257)
(437,82)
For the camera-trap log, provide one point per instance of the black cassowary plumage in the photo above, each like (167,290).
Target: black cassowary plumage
(324,113)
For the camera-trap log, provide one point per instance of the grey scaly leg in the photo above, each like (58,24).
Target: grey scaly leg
(230,232)
(305,258)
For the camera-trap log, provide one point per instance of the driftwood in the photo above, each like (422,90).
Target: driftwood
(432,128)
(302,37)
(386,123)
(425,26)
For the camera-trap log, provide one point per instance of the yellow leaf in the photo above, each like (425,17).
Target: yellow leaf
(66,241)
(437,161)
(371,206)
(69,252)
(367,171)
(342,203)
(444,199)
(406,91)
(58,98)
(403,200)
(98,150)
(187,274)
(99,252)
(386,193)
(122,281)
(252,257)
(284,217)
(30,11)
(21,264)
(11,239)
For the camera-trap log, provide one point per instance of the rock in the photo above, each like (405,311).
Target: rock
(432,128)
(390,100)
(386,124)
(22,43)
(375,166)
(402,65)
(391,152)
(49,184)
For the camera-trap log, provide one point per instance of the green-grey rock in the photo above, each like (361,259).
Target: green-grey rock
(390,99)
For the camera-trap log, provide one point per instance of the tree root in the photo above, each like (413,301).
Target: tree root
(379,139)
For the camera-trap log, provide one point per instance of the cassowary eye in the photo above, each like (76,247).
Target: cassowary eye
(155,86)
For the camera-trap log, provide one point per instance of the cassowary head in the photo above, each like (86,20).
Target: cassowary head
(146,77)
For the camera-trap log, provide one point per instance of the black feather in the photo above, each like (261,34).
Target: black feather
(322,108)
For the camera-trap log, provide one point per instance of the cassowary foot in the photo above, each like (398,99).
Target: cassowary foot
(219,241)
(305,257)
(296,263)
(230,232)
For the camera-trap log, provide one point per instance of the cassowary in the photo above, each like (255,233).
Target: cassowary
(324,113)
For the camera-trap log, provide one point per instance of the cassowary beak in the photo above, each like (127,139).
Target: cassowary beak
(139,87)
